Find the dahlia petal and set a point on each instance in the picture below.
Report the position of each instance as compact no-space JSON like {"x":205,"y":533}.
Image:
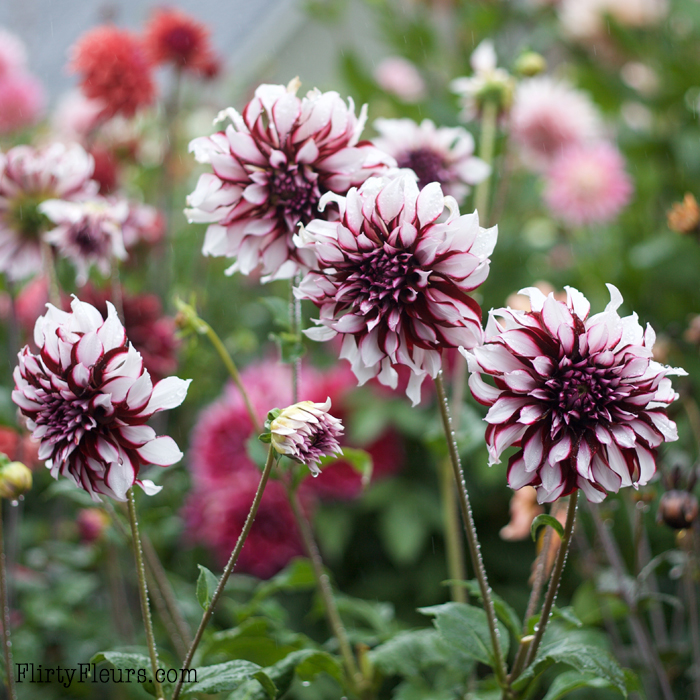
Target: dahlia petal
{"x":518,"y":476}
{"x":111,"y":333}
{"x":140,"y":392}
{"x":624,"y":436}
{"x":551,"y":476}
{"x":537,"y":299}
{"x":495,"y":359}
{"x":430,"y":204}
{"x":87,"y":318}
{"x":149,"y":488}
{"x":647,"y":465}
{"x":560,"y":450}
{"x":664,"y":425}
{"x":531,"y":413}
{"x":163,"y":451}
{"x":566,"y":338}
{"x":413,"y":390}
{"x":618,"y":463}
{"x":350,"y":323}
{"x":604,"y":476}
{"x":593,"y":494}
{"x":543,"y":366}
{"x":555,"y":314}
{"x":308,"y":153}
{"x":652,"y":436}
{"x":137,"y":435}
{"x":504,"y":408}
{"x":89,"y":349}
{"x":522,"y":343}
{"x":244,"y":148}
{"x":320,"y":333}
{"x":520,"y":381}
{"x":533,"y":451}
{"x":120,"y":477}
{"x":106,"y":450}
{"x":503,"y":437}
{"x":583,"y":459}
{"x":167,"y":393}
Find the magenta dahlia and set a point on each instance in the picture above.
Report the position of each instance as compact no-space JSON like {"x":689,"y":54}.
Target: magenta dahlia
{"x":87,"y":398}
{"x":394,"y":276}
{"x":270,"y":168}
{"x":580,"y":395}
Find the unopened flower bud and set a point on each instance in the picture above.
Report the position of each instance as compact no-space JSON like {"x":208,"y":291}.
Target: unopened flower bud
{"x":15,"y":480}
{"x":91,"y":523}
{"x":306,"y":432}
{"x":678,"y":509}
{"x":530,"y":64}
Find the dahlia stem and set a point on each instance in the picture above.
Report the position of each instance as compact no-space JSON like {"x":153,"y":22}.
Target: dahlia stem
{"x":453,"y":541}
{"x":143,"y":594}
{"x":554,"y":581}
{"x":692,"y":604}
{"x":229,"y":567}
{"x":50,"y":270}
{"x":117,"y":296}
{"x":295,"y":325}
{"x":470,"y":529}
{"x":325,"y":590}
{"x":6,"y":638}
{"x":487,"y":142}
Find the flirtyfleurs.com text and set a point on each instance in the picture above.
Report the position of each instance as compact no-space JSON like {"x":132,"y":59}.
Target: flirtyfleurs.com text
{"x":89,"y":673}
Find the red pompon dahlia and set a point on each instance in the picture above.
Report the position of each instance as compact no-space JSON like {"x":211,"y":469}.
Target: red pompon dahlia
{"x":393,"y":278}
{"x":87,"y":398}
{"x":171,"y":36}
{"x":114,"y":69}
{"x":581,"y":396}
{"x":270,"y":167}
{"x":28,"y":177}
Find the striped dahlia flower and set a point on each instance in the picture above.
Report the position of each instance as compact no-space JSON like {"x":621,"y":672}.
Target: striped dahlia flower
{"x":28,"y":177}
{"x":270,"y":168}
{"x":394,"y":276}
{"x":579,"y":395}
{"x":87,"y":398}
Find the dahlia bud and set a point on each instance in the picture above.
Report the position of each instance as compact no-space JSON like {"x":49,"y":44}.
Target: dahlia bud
{"x":15,"y":480}
{"x":305,"y":432}
{"x":530,"y":64}
{"x":678,"y":509}
{"x":91,"y":522}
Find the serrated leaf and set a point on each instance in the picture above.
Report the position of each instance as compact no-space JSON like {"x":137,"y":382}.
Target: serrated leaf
{"x":466,"y":627}
{"x":567,"y":614}
{"x":408,"y":653}
{"x":120,"y":659}
{"x":229,"y":676}
{"x":569,"y":681}
{"x":504,"y":612}
{"x":545,"y":519}
{"x":298,"y":575}
{"x":206,"y":585}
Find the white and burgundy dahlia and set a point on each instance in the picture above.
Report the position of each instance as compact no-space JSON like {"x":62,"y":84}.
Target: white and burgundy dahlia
{"x":87,"y":398}
{"x":307,"y":433}
{"x":88,"y":233}
{"x":579,"y":395}
{"x":270,"y":168}
{"x":394,"y":276}
{"x":28,"y":177}
{"x":435,"y":154}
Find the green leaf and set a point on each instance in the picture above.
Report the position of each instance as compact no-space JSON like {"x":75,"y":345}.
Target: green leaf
{"x":206,"y":585}
{"x":124,"y":660}
{"x":546,"y":519}
{"x":572,"y":680}
{"x":290,"y":345}
{"x":567,"y":614}
{"x":229,"y":676}
{"x":279,"y":310}
{"x":586,"y":659}
{"x":504,"y":612}
{"x":408,"y":653}
{"x":298,"y":575}
{"x":359,"y":460}
{"x":466,"y":628}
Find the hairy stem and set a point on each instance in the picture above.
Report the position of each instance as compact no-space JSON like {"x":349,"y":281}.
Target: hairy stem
{"x":472,"y":539}
{"x":6,"y":638}
{"x":229,"y":567}
{"x":143,"y":594}
{"x":456,"y":568}
{"x":489,"y":117}
{"x":295,"y":325}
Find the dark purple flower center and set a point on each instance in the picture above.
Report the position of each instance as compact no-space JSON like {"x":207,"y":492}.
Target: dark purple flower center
{"x":181,"y":41}
{"x":66,"y":420}
{"x":295,"y":194}
{"x":89,"y":240}
{"x":426,"y":163}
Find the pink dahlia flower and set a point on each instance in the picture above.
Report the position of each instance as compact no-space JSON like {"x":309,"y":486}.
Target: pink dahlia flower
{"x":13,"y":53}
{"x":28,"y":177}
{"x":393,"y":278}
{"x":588,"y":185}
{"x":400,"y":77}
{"x":579,"y":395}
{"x":271,"y":167}
{"x":549,"y":116}
{"x":444,"y":155}
{"x":88,"y":233}
{"x":87,"y":397}
{"x":22,"y":102}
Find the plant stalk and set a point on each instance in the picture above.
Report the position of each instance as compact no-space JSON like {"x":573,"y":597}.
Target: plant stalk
{"x":229,"y":568}
{"x":453,"y":536}
{"x":472,"y":539}
{"x":50,"y":271}
{"x":143,"y":594}
{"x":295,"y":324}
{"x":6,"y":637}
{"x":487,"y":142}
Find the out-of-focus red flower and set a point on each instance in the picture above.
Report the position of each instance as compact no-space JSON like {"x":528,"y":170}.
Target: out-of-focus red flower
{"x":113,"y":68}
{"x":171,"y":36}
{"x":91,"y":523}
{"x":106,"y":171}
{"x":20,"y":448}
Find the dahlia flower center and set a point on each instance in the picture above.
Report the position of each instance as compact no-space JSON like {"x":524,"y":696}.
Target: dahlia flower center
{"x":88,"y":239}
{"x":181,"y":41}
{"x":25,"y":217}
{"x":428,"y":165}
{"x":295,"y":196}
{"x":66,"y":420}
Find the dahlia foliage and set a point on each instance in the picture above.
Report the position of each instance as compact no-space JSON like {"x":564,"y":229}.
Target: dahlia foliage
{"x":393,"y":278}
{"x":579,"y":395}
{"x":87,"y":398}
{"x":270,"y":168}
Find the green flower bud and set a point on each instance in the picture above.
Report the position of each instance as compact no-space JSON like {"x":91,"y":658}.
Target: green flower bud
{"x":15,"y":480}
{"x":530,"y":64}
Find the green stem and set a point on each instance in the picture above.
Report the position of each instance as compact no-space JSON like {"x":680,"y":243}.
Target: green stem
{"x":229,"y":567}
{"x":50,"y":271}
{"x":453,"y":540}
{"x":487,"y":142}
{"x":143,"y":594}
{"x":117,"y":296}
{"x":554,"y":581}
{"x":470,"y":529}
{"x":295,"y":325}
{"x":6,"y":640}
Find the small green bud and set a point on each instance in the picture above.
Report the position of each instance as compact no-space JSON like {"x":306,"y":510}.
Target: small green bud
{"x":530,"y":64}
{"x":15,"y":480}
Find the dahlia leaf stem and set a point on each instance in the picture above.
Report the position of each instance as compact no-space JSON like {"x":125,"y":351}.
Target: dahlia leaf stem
{"x":4,"y":604}
{"x":143,"y":594}
{"x":470,"y":529}
{"x":228,"y":570}
{"x":487,"y":142}
{"x":554,"y":581}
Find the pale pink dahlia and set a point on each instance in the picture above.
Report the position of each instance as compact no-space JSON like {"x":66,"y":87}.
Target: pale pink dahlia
{"x":28,"y":177}
{"x":13,"y":53}
{"x":271,"y":167}
{"x":588,"y":185}
{"x":549,"y":116}
{"x":22,"y":100}
{"x":400,"y":77}
{"x":435,"y":154}
{"x":87,"y":397}
{"x":88,"y":233}
{"x":393,"y":278}
{"x":580,"y":396}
